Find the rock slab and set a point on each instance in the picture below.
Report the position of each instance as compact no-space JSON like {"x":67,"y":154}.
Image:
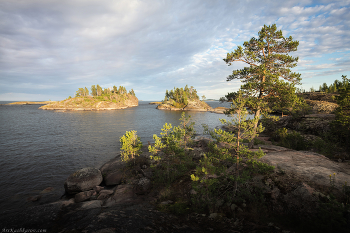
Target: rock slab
{"x":313,"y":166}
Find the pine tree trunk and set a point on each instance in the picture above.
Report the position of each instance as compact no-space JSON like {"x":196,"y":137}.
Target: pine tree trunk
{"x":257,"y":116}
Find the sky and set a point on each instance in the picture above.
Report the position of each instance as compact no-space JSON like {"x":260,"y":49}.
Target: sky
{"x":49,"y":49}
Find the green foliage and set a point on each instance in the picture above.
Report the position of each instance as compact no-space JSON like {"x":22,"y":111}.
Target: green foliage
{"x":169,"y":152}
{"x":174,"y":138}
{"x":324,"y":147}
{"x":93,"y":90}
{"x":98,"y":90}
{"x":131,"y":146}
{"x":269,"y":122}
{"x":258,"y":142}
{"x":287,"y":100}
{"x":338,"y":138}
{"x":100,"y":94}
{"x":212,"y":180}
{"x":178,"y":208}
{"x":81,"y":92}
{"x":280,"y":133}
{"x":179,"y":96}
{"x":330,"y":217}
{"x":294,"y":140}
{"x":343,"y":100}
{"x":132,"y":92}
{"x":336,"y":87}
{"x":229,"y":97}
{"x":269,"y":64}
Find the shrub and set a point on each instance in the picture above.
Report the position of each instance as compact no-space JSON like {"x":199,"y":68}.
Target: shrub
{"x":169,"y":151}
{"x":293,"y":140}
{"x":131,"y":145}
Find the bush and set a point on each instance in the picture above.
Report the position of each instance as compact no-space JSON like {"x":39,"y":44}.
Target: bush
{"x":169,"y":152}
{"x":342,"y":113}
{"x":131,"y":145}
{"x":293,"y":140}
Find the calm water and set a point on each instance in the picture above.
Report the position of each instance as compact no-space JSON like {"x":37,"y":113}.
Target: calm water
{"x":40,"y":149}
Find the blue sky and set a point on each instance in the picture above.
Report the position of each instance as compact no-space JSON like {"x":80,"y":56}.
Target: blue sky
{"x":49,"y":49}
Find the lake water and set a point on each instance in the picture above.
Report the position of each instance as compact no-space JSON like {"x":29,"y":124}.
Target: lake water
{"x":41,"y":148}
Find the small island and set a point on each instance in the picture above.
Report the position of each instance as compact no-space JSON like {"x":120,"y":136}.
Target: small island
{"x":100,"y":99}
{"x":183,"y":99}
{"x":32,"y":102}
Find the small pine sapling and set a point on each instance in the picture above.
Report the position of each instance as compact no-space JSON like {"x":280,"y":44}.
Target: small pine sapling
{"x":244,"y":129}
{"x":131,"y":146}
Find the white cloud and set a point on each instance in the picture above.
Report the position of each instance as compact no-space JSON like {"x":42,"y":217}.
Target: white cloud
{"x":154,"y":44}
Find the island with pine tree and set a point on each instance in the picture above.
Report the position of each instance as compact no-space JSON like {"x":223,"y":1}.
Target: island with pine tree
{"x":180,"y":99}
{"x":98,"y":99}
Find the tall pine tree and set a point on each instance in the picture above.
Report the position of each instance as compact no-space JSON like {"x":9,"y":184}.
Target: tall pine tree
{"x":269,"y":66}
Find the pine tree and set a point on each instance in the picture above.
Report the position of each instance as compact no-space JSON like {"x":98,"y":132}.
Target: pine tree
{"x":98,"y":90}
{"x":343,"y":100}
{"x":115,"y":89}
{"x":131,"y":145}
{"x":93,"y":90}
{"x":268,"y":61}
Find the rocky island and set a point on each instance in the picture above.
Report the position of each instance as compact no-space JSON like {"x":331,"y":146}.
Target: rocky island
{"x":107,"y":99}
{"x":183,"y":99}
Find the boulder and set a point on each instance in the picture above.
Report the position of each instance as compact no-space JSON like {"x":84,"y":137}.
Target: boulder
{"x":114,"y":177}
{"x":82,"y":196}
{"x":107,"y":192}
{"x":98,"y":189}
{"x":83,"y":180}
{"x":109,"y":202}
{"x":91,"y":204}
{"x":104,"y":194}
{"x":112,"y":171}
{"x":124,"y":194}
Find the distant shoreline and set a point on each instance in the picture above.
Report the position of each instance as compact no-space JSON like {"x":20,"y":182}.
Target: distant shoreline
{"x":31,"y":102}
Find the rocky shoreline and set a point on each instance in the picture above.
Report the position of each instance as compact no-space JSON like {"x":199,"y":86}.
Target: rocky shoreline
{"x":92,"y":104}
{"x":195,"y":106}
{"x":32,"y":102}
{"x":120,"y":198}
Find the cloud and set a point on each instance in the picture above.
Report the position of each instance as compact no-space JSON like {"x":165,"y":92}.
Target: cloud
{"x":58,"y":46}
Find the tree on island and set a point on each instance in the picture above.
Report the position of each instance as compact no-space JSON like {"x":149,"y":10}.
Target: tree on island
{"x":264,"y":80}
{"x":179,"y":97}
{"x":81,"y":92}
{"x":93,"y":90}
{"x":97,"y":91}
